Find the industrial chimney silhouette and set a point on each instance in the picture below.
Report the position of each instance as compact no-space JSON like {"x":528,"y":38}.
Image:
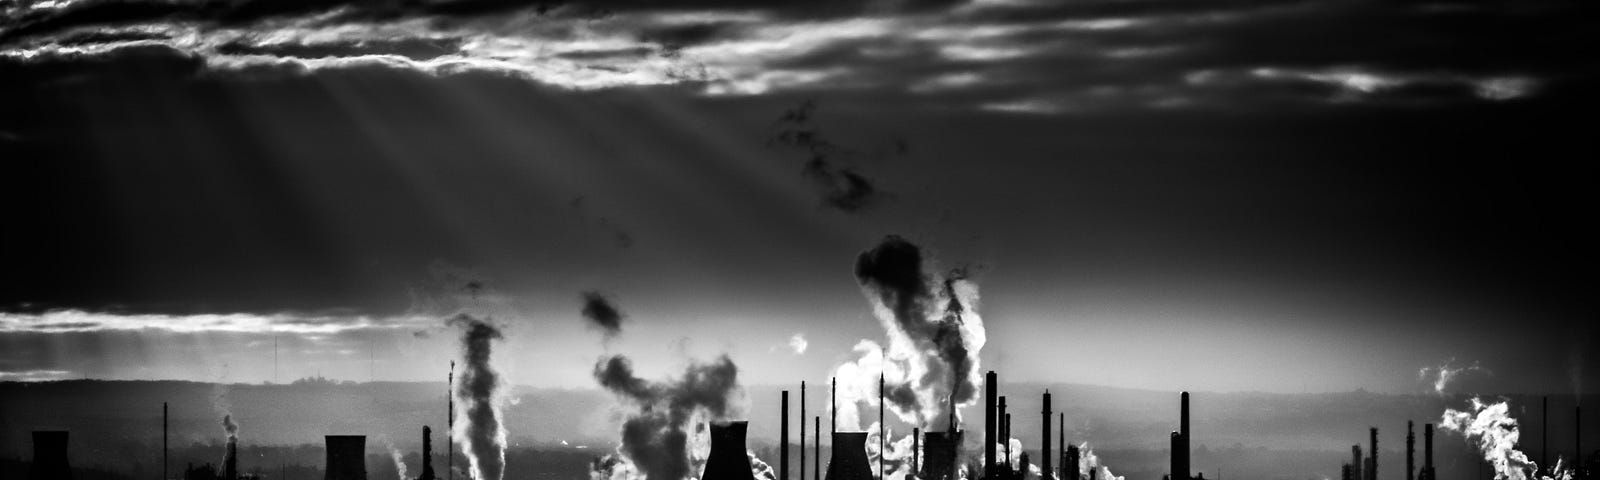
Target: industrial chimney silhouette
{"x":1356,"y":461}
{"x":849,"y":460}
{"x":427,"y":454}
{"x":728,"y":459}
{"x":1371,"y":472}
{"x":230,"y":462}
{"x":990,"y":422}
{"x":347,"y":457}
{"x":1180,"y":441}
{"x":1044,"y":463}
{"x":50,"y":456}
{"x":1069,"y":467}
{"x":1411,"y":451}
{"x":1427,"y":453}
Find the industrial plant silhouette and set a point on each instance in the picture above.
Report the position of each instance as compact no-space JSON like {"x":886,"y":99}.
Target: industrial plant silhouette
{"x":853,"y":455}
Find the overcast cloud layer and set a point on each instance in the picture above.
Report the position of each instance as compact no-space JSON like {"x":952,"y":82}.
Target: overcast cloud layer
{"x":1011,"y":55}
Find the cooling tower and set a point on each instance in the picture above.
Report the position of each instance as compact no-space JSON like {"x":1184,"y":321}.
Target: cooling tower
{"x":940,"y":450}
{"x":728,"y":459}
{"x":347,"y":457}
{"x":50,"y":456}
{"x":849,"y":461}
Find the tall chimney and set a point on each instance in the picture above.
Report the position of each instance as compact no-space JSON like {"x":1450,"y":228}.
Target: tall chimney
{"x":164,"y":475}
{"x":1411,"y":451}
{"x":1044,"y":449}
{"x":816,"y":448}
{"x":1183,"y":428}
{"x":849,"y":457}
{"x":450,"y":426}
{"x":1544,"y":435}
{"x":916,"y":448}
{"x":347,"y":457}
{"x":989,"y":423}
{"x":883,"y":428}
{"x":1007,"y":436}
{"x":1372,"y":454}
{"x":1577,"y":443}
{"x":1070,"y":465}
{"x":1356,"y":461}
{"x":1061,"y":434}
{"x":728,"y":459}
{"x":427,"y":454}
{"x":1427,"y":452}
{"x":1177,"y":456}
{"x":50,"y":456}
{"x":230,"y":463}
{"x":803,"y":430}
{"x":783,"y":442}
{"x":833,"y":412}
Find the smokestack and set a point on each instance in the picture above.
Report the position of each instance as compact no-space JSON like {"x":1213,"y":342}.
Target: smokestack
{"x":816,"y":448}
{"x":347,"y":457}
{"x":883,"y":427}
{"x":1007,"y":437}
{"x":50,"y":456}
{"x":1044,"y":450}
{"x":1427,"y":452}
{"x":427,"y":454}
{"x":1061,"y":447}
{"x":803,"y":429}
{"x":164,"y":475}
{"x":783,"y":442}
{"x":728,"y":459}
{"x":849,"y":460}
{"x":1177,"y":457}
{"x":450,"y":425}
{"x":916,"y":448}
{"x":1356,"y":461}
{"x":1577,"y":443}
{"x":1183,"y":429}
{"x":1544,"y":434}
{"x":1372,"y":454}
{"x":833,"y":413}
{"x":989,"y":423}
{"x":1070,"y":465}
{"x":1411,"y":451}
{"x":230,"y":464}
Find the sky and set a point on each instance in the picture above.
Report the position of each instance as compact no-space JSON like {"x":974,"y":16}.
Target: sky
{"x":1281,"y":196}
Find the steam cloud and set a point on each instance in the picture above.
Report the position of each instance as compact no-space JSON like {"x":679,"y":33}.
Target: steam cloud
{"x":798,"y":344}
{"x":1442,"y":375}
{"x":1490,"y":428}
{"x":934,"y":337}
{"x":602,"y":314}
{"x":1088,"y":460}
{"x":478,"y":426}
{"x":657,"y":440}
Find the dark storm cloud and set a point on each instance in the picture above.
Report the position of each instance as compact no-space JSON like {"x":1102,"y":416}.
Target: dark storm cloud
{"x":602,"y":314}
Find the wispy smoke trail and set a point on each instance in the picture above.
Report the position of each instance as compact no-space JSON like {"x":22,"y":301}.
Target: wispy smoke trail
{"x":1442,"y":375}
{"x":602,"y":314}
{"x":478,"y":426}
{"x":1490,"y":428}
{"x":657,"y":440}
{"x":399,"y":462}
{"x":934,"y":337}
{"x":760,"y":469}
{"x":896,"y":455}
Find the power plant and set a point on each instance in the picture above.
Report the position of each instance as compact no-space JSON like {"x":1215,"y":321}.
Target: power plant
{"x":728,"y":460}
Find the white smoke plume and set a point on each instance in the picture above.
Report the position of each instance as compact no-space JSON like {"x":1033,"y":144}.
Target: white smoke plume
{"x":798,"y":344}
{"x":1491,"y":428}
{"x":478,"y":426}
{"x":760,"y":469}
{"x":399,"y":463}
{"x":1441,"y":376}
{"x":896,"y":453}
{"x":1088,"y":460}
{"x":934,"y":335}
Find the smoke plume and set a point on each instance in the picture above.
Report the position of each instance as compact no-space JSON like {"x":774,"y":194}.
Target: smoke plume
{"x":229,"y":427}
{"x":1491,"y":428}
{"x":1443,"y":375}
{"x":602,"y":314}
{"x":478,"y":427}
{"x":1089,"y":461}
{"x":934,"y":337}
{"x":664,"y":434}
{"x":897,"y":453}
